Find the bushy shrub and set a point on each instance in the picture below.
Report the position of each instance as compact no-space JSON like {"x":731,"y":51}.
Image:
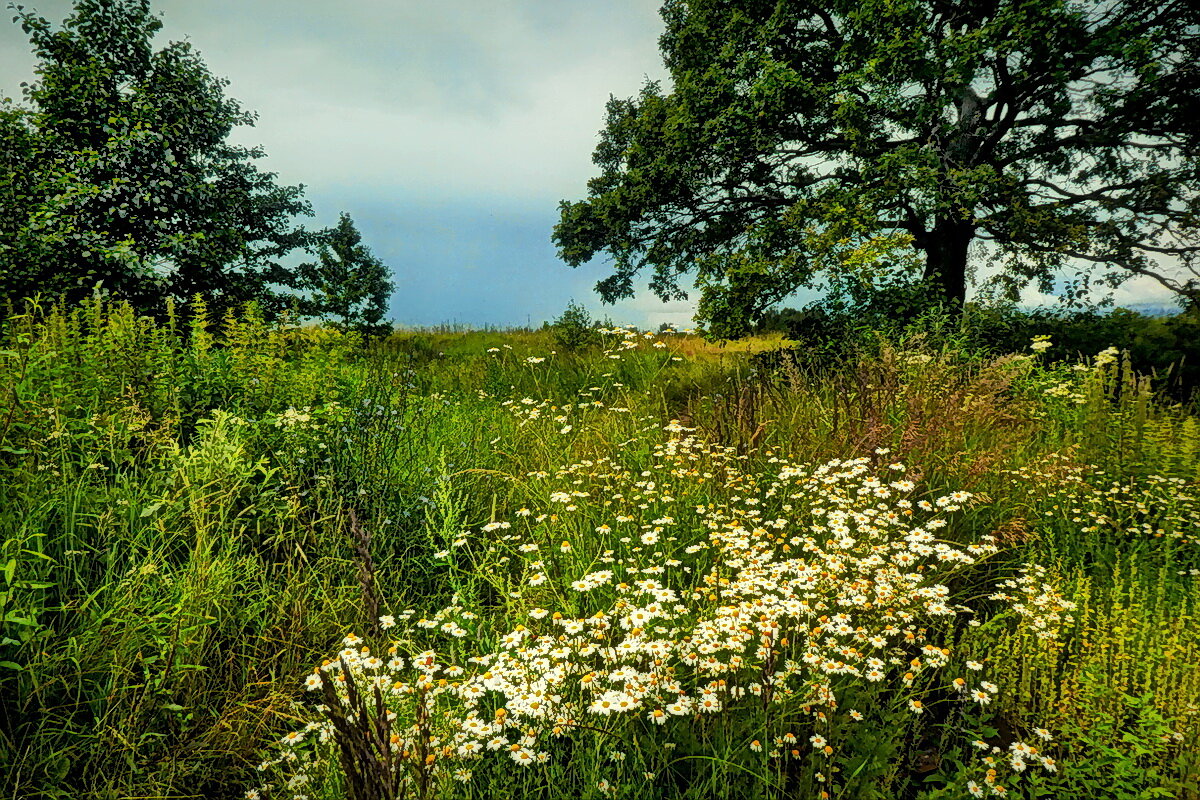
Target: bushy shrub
{"x":574,"y":329}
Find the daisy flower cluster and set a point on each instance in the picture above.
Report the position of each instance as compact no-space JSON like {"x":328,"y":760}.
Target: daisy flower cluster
{"x":630,"y":338}
{"x":1037,"y":601}
{"x":711,"y":590}
{"x":1151,"y":506}
{"x":567,"y":416}
{"x":1018,"y":758}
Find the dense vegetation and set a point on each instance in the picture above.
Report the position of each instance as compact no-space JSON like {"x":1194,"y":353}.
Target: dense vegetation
{"x":899,"y":554}
{"x":197,"y":512}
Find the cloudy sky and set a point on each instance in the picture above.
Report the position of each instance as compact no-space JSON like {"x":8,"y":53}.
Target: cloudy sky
{"x":449,"y":130}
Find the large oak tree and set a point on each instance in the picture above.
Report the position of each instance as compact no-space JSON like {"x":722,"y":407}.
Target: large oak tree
{"x":833,"y":142}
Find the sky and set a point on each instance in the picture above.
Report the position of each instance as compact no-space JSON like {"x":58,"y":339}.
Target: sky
{"x":448,"y":129}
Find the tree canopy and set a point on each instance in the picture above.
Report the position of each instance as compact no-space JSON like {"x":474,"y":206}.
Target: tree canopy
{"x":347,"y":284}
{"x":119,"y":170}
{"x":856,"y":142}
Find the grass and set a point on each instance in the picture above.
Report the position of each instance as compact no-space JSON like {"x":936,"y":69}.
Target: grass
{"x":194,"y":513}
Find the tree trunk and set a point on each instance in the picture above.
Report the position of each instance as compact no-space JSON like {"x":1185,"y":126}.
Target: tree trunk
{"x":946,"y":259}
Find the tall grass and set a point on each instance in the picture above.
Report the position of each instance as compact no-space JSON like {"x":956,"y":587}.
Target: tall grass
{"x":195,"y":512}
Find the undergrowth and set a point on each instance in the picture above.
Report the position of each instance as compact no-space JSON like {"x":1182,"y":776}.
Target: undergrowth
{"x":196,"y":512}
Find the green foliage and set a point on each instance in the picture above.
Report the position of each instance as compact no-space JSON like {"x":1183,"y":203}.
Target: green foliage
{"x":574,"y":329}
{"x":119,"y":172}
{"x":849,"y":144}
{"x":1165,"y":347}
{"x":347,"y":286}
{"x":1123,"y":756}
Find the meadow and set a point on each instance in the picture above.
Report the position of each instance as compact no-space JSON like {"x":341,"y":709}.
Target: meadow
{"x":251,"y":558}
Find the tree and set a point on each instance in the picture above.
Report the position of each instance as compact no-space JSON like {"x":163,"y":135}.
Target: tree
{"x":847,"y":142}
{"x":347,"y":285}
{"x":574,"y":329}
{"x":119,"y":171}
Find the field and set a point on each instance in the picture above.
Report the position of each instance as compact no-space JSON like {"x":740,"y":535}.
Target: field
{"x":248,"y":558}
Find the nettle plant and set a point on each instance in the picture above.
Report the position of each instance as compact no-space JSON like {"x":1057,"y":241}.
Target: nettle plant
{"x":749,"y":626}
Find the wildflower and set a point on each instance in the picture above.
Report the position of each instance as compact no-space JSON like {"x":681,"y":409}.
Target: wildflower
{"x":810,"y":596}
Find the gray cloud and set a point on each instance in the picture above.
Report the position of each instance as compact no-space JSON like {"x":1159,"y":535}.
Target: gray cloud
{"x":437,"y":98}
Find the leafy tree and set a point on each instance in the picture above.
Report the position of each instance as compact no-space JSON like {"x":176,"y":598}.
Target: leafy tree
{"x":574,"y":329}
{"x":859,"y":142}
{"x":119,"y":171}
{"x":347,"y":284}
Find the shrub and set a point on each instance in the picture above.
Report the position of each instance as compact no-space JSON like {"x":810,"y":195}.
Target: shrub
{"x":574,"y":329}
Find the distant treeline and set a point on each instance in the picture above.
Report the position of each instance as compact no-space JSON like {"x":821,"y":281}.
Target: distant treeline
{"x":1164,"y":345}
